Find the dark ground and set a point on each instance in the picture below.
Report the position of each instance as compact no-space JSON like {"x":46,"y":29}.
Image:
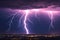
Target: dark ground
{"x":28,"y":37}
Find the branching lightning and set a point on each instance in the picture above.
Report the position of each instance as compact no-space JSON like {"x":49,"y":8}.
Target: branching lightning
{"x":26,"y":13}
{"x":51,"y":16}
{"x":11,"y":21}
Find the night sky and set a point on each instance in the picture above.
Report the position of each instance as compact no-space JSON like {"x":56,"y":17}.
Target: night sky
{"x":36,"y":25}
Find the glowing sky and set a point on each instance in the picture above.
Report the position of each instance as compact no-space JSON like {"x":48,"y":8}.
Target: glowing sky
{"x":28,"y":21}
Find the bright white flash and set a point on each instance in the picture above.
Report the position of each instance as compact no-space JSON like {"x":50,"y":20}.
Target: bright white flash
{"x":25,"y":19}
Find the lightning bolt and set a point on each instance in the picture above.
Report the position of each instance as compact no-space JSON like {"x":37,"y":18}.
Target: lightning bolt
{"x":25,"y":19}
{"x":11,"y":22}
{"x":51,"y":14}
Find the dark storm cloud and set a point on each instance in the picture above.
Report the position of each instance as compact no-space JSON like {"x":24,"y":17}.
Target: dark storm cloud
{"x":25,"y":4}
